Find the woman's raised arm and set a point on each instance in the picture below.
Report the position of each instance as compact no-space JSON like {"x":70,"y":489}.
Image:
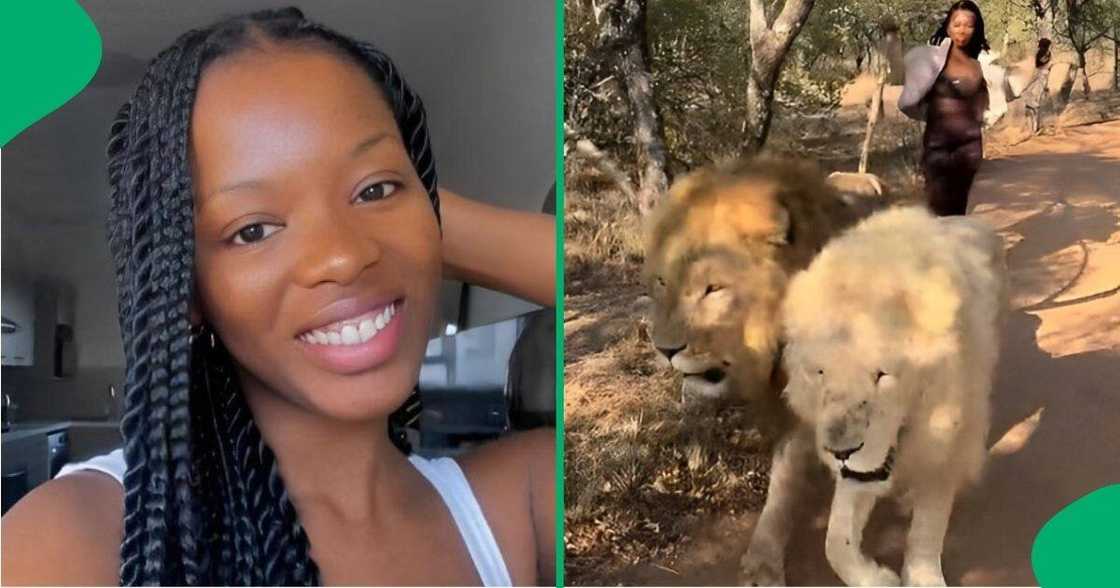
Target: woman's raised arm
{"x":507,"y":250}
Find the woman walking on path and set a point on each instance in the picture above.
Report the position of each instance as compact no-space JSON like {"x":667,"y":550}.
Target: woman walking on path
{"x":945,"y":88}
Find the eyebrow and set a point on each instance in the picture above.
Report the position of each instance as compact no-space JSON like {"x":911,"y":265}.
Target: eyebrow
{"x":257,"y":184}
{"x":370,"y":142}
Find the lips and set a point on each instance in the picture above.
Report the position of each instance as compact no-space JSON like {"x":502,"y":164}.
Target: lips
{"x":351,"y":331}
{"x":352,"y":336}
{"x":710,"y":375}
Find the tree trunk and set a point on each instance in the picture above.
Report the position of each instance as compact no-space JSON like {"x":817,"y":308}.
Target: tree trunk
{"x":872,"y":120}
{"x":1083,"y":72}
{"x":770,"y":42}
{"x":1116,"y":57}
{"x":1045,"y":10}
{"x":623,"y":36}
{"x":888,"y":53}
{"x":1046,"y":26}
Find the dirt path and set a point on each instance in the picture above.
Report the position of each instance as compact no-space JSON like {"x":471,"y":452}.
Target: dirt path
{"x":1057,"y":401}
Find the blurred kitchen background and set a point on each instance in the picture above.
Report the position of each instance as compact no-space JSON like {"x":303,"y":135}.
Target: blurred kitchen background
{"x":487,"y":74}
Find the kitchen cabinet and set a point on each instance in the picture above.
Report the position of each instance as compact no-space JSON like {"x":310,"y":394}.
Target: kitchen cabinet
{"x":24,"y":465}
{"x":31,"y":450}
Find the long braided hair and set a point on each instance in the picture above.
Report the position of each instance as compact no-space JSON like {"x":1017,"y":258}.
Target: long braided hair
{"x":204,"y":500}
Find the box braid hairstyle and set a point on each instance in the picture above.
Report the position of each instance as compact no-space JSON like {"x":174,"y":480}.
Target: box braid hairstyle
{"x":204,"y":500}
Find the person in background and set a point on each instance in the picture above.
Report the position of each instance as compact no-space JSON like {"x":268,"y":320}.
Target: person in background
{"x":946,"y":89}
{"x":1035,"y":92}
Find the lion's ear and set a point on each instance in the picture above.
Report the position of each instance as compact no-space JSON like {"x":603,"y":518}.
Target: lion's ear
{"x":780,"y":234}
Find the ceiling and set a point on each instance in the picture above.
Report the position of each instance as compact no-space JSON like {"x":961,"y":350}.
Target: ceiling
{"x":486,"y":72}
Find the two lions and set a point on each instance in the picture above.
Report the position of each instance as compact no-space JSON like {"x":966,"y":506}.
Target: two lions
{"x":721,"y":253}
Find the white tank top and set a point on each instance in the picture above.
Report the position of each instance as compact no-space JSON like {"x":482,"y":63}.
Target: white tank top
{"x":443,"y":473}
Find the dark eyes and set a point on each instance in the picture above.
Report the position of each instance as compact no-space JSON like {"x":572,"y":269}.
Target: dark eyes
{"x":377,"y":191}
{"x":878,"y":375}
{"x":712,"y":288}
{"x":260,"y":231}
{"x":254,"y":232}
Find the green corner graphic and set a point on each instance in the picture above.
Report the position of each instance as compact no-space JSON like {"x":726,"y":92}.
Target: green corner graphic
{"x":1080,"y":546}
{"x":49,"y":51}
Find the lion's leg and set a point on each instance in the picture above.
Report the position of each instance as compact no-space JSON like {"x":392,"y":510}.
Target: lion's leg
{"x":764,"y":562}
{"x":851,"y":507}
{"x":932,"y":508}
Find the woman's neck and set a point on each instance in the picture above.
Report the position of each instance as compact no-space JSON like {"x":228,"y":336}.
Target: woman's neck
{"x":345,"y":466}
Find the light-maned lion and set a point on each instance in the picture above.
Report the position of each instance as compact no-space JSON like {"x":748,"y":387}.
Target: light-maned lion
{"x":891,"y":343}
{"x":719,"y":251}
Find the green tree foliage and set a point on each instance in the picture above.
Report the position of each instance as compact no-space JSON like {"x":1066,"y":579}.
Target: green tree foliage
{"x":700,"y":62}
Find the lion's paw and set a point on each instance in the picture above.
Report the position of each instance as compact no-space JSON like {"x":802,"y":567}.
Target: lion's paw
{"x":919,"y":575}
{"x":755,"y":570}
{"x":875,"y":575}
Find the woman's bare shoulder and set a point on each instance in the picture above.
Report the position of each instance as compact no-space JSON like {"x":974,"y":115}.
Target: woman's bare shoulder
{"x":65,"y":532}
{"x":514,"y":479}
{"x":529,"y":452}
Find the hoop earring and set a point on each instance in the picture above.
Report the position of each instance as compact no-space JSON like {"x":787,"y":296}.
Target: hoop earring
{"x":201,"y":330}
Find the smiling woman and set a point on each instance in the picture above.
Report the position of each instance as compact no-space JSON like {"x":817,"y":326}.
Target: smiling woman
{"x":276,"y":230}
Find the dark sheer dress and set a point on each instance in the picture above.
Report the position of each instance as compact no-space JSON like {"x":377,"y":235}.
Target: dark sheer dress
{"x":952,"y":147}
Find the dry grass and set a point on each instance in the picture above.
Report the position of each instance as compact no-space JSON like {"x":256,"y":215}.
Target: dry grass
{"x":641,"y":469}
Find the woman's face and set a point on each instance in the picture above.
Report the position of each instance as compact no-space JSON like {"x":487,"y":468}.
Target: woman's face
{"x":317,"y":250}
{"x":962,"y":25}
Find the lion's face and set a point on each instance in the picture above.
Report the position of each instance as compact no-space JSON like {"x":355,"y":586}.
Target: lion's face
{"x":856,"y":404}
{"x":714,"y":318}
{"x":719,"y":252}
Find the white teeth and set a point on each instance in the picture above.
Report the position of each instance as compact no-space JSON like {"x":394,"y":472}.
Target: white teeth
{"x":352,"y":333}
{"x":366,"y":330}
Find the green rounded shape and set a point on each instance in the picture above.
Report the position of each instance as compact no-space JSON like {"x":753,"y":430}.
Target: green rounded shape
{"x":49,"y":51}
{"x":1080,"y":546}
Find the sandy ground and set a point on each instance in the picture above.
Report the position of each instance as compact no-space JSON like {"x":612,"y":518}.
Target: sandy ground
{"x":1056,"y":199}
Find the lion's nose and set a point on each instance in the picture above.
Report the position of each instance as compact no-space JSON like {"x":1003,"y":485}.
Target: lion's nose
{"x":669,"y":352}
{"x":844,"y":454}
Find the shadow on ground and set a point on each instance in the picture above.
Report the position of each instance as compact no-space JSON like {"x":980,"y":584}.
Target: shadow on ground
{"x":1056,"y":403}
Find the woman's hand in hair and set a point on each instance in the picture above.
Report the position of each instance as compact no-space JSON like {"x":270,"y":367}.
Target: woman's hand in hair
{"x":502,"y":249}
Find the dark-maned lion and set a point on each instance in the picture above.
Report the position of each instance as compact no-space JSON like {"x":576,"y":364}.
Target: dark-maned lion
{"x":720,"y":251}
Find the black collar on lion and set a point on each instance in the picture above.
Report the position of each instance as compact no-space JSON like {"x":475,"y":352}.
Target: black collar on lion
{"x":878,"y":475}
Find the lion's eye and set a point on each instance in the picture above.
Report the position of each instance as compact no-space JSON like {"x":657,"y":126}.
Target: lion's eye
{"x":820,"y":372}
{"x":712,"y":288}
{"x":879,"y":376}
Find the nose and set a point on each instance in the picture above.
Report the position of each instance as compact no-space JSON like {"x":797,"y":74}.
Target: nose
{"x":669,"y":352}
{"x":843,"y":454}
{"x":335,"y":251}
